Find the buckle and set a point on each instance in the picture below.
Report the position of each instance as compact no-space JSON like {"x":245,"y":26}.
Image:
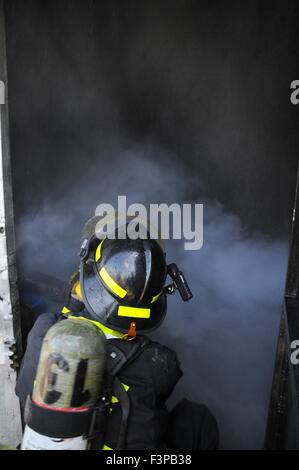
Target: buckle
{"x":97,"y":418}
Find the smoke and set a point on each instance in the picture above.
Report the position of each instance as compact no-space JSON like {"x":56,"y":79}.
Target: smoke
{"x":225,"y":337}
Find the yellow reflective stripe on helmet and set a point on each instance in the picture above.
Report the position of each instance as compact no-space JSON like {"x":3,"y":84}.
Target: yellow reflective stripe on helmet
{"x":134,"y":312}
{"x":65,"y":310}
{"x":106,"y":447}
{"x":156,"y":297}
{"x":104,"y":329}
{"x":116,"y":289}
{"x":98,"y":252}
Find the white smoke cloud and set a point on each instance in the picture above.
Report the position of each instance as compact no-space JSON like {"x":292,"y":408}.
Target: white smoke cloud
{"x":225,"y":337}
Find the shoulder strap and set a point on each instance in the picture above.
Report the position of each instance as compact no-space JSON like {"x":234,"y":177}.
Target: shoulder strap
{"x":123,"y":398}
{"x":120,"y":354}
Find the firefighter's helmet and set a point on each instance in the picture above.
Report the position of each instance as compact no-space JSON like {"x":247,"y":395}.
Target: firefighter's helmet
{"x":122,"y":279}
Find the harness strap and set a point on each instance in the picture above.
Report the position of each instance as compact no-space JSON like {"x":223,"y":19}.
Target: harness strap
{"x":121,"y":394}
{"x":61,"y":423}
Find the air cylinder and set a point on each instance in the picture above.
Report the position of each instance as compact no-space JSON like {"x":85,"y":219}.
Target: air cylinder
{"x":69,"y":378}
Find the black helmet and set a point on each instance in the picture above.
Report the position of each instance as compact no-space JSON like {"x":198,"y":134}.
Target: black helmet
{"x":122,"y":281}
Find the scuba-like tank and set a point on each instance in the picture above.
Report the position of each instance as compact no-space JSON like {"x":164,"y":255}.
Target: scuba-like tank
{"x":67,"y":387}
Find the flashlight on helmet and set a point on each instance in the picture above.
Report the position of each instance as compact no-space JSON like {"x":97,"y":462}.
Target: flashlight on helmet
{"x":179,"y":282}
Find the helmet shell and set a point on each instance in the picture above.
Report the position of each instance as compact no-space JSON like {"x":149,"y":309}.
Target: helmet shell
{"x":123,"y":281}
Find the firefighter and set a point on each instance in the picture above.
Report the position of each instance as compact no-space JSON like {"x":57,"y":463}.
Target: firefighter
{"x":120,"y":288}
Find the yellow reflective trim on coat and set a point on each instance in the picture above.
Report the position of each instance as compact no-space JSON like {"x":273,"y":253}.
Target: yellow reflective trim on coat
{"x":98,"y":251}
{"x":104,"y":329}
{"x":65,"y":310}
{"x":156,"y":297}
{"x":133,"y":312}
{"x":77,"y":288}
{"x":106,"y":447}
{"x":116,"y":289}
{"x":115,"y":399}
{"x":126,"y":387}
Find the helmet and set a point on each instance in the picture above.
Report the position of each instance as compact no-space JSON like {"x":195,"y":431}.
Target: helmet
{"x":122,"y":279}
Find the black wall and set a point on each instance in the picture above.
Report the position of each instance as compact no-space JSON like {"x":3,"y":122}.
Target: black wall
{"x":207,"y":81}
